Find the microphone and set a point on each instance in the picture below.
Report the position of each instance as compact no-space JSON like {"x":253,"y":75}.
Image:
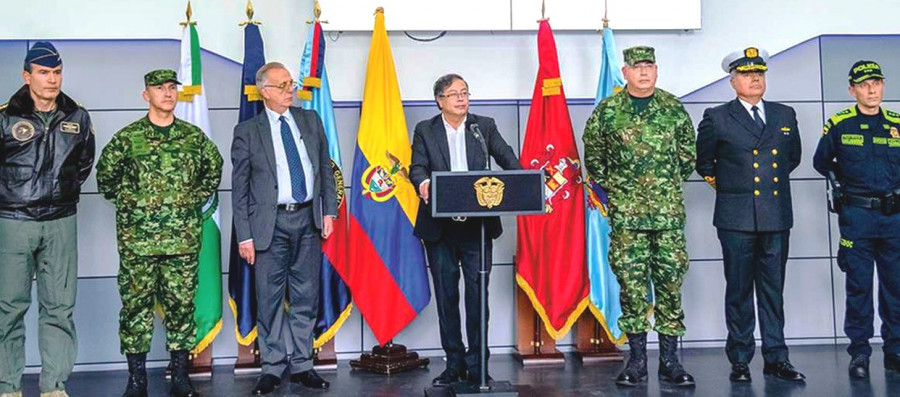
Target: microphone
{"x":476,"y":131}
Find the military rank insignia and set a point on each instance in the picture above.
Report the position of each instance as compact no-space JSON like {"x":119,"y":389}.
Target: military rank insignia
{"x":786,"y":130}
{"x":69,"y":127}
{"x":23,"y":131}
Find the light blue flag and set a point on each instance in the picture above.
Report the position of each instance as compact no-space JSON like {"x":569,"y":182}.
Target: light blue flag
{"x":334,"y":296}
{"x":604,"y":294}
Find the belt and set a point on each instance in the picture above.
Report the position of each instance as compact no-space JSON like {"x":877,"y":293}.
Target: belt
{"x":862,"y":201}
{"x":292,"y":207}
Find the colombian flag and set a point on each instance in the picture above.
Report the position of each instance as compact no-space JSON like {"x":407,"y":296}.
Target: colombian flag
{"x":386,"y":269}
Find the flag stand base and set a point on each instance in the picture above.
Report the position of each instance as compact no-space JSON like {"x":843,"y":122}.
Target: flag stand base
{"x":534,"y":345}
{"x":389,"y":359}
{"x":592,"y":344}
{"x":247,"y":362}
{"x":496,"y":389}
{"x":324,"y":358}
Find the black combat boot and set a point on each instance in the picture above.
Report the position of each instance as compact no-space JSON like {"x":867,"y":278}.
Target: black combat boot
{"x":137,"y":375}
{"x":635,"y":372}
{"x":181,"y":381}
{"x":670,"y":370}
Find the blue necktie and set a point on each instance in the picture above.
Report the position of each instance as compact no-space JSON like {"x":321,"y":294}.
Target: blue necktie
{"x":757,"y":119}
{"x":298,"y":179}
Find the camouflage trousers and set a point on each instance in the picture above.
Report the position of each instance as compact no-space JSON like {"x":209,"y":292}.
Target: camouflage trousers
{"x":639,"y":257}
{"x":145,"y":281}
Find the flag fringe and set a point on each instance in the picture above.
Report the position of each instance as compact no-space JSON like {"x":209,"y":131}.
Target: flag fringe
{"x":242,"y":340}
{"x":554,"y":333}
{"x":333,"y":329}
{"x":602,"y":319}
{"x":208,"y":339}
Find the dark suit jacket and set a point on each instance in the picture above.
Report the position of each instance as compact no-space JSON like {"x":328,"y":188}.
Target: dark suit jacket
{"x":431,"y":152}
{"x":751,"y":167}
{"x":254,"y":180}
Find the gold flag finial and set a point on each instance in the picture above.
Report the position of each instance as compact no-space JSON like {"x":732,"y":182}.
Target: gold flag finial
{"x":543,"y":12}
{"x":317,"y":13}
{"x":188,"y":13}
{"x":249,"y":11}
{"x":379,"y":10}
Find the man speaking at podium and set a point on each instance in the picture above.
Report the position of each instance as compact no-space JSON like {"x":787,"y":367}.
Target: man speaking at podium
{"x":451,"y":141}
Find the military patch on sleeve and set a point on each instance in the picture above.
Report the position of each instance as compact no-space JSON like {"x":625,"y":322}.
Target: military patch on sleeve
{"x":70,"y":127}
{"x":852,"y":139}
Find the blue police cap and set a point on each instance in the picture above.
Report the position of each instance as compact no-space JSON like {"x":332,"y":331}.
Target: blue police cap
{"x":43,"y":53}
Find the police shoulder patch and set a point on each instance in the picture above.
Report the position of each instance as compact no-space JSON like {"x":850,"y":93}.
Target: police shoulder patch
{"x":838,"y":117}
{"x":892,"y":116}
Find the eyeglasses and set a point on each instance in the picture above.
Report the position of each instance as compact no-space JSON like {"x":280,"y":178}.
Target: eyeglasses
{"x":285,"y":86}
{"x":456,"y":95}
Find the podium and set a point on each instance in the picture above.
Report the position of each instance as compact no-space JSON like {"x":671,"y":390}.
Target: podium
{"x":482,"y":194}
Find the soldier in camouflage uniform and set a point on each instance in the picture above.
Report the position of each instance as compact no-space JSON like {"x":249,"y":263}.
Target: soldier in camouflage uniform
{"x":639,"y":146}
{"x":159,"y":172}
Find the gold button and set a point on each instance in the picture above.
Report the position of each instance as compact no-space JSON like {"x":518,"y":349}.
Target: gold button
{"x":756,"y":179}
{"x":756,"y":192}
{"x":774,"y":152}
{"x":755,"y":165}
{"x":755,"y":152}
{"x":775,"y":192}
{"x":774,"y":165}
{"x":775,"y":179}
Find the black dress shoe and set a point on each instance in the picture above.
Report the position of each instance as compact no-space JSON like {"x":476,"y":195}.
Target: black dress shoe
{"x":892,"y":361}
{"x":266,"y":384}
{"x":740,"y":372}
{"x":446,"y":378}
{"x":859,"y":367}
{"x":310,"y":379}
{"x":783,"y":370}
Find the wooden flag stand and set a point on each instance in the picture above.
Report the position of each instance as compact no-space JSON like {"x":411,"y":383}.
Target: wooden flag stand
{"x":247,"y":362}
{"x":592,"y":343}
{"x":389,"y":359}
{"x":324,"y":358}
{"x":535,"y":346}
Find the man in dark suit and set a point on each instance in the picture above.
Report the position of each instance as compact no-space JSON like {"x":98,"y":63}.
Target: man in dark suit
{"x":746,"y":150}
{"x":448,"y":142}
{"x":284,"y":204}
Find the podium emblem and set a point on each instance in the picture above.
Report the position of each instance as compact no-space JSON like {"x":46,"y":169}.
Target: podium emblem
{"x":489,"y":191}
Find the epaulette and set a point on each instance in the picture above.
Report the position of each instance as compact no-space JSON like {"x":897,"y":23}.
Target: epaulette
{"x":839,"y":117}
{"x":891,"y":116}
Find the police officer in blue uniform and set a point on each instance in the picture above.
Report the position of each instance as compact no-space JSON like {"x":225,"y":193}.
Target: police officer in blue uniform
{"x":746,"y":149}
{"x":859,"y":152}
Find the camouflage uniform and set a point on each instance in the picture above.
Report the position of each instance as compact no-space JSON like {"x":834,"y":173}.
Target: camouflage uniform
{"x":642,"y":160}
{"x":159,"y":181}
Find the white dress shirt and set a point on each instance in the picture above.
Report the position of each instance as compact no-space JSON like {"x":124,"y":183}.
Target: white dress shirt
{"x":760,"y":105}
{"x":456,"y":141}
{"x":283,"y":173}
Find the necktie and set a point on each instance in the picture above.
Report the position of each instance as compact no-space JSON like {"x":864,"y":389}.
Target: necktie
{"x":298,"y":179}
{"x":757,"y":119}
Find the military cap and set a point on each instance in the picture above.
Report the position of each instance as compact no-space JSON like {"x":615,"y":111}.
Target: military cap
{"x":43,"y":53}
{"x":637,"y":54}
{"x":750,"y":59}
{"x":864,"y":70}
{"x":160,"y":76}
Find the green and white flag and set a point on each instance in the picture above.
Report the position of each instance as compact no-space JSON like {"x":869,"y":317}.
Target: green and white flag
{"x":192,"y":108}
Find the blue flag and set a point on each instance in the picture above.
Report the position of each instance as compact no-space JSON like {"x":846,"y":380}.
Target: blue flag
{"x":334,"y":296}
{"x":605,"y":289}
{"x":241,"y":283}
